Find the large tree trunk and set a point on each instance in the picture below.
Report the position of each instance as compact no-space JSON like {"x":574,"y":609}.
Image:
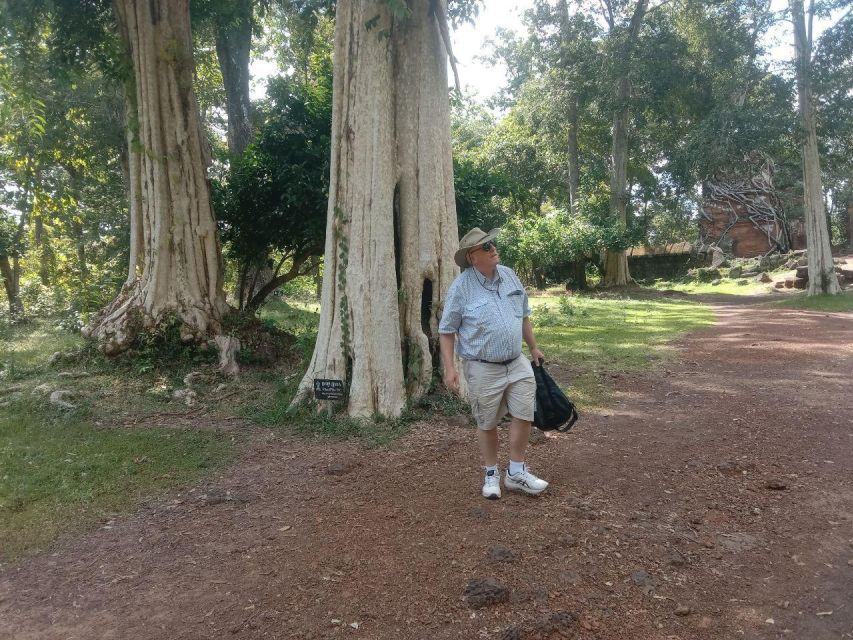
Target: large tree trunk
{"x":392,"y":217}
{"x":233,"y":48}
{"x":616,"y":262}
{"x":579,"y":267}
{"x":426,"y":220}
{"x":181,"y":261}
{"x":133,"y":175}
{"x":822,"y":278}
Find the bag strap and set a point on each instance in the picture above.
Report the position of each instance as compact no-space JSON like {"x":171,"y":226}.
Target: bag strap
{"x":572,"y":419}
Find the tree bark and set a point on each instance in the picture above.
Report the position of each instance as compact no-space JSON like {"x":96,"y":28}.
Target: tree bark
{"x":25,"y":206}
{"x":392,"y":225}
{"x":822,"y":278}
{"x":233,"y":48}
{"x":616,"y":262}
{"x":849,"y":224}
{"x":572,"y":111}
{"x":10,"y":285}
{"x":580,"y":274}
{"x":134,"y":184}
{"x":77,"y":230}
{"x":616,"y":271}
{"x":318,"y":276}
{"x":42,"y":246}
{"x":181,"y":258}
{"x":572,"y":148}
{"x":80,"y":246}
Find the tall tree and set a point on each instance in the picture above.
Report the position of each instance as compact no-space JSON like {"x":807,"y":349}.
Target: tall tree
{"x":822,"y":278}
{"x":231,"y":23}
{"x":624,"y":35}
{"x":391,"y":230}
{"x":182,"y":272}
{"x":833,"y":68}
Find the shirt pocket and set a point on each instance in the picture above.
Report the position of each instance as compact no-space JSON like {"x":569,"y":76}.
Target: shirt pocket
{"x":478,"y":313}
{"x":516,"y":301}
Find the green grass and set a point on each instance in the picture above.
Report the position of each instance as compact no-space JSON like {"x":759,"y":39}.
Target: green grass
{"x":597,"y":336}
{"x":839,"y":303}
{"x":298,"y":319}
{"x":66,"y":471}
{"x":59,"y":473}
{"x":25,"y":348}
{"x":293,"y":317}
{"x":727,"y":286}
{"x":273,"y":410}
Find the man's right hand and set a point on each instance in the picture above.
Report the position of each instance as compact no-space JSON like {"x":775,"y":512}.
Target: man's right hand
{"x":451,"y":380}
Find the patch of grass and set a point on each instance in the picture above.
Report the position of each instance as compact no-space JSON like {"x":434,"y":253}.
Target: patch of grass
{"x":600,"y":335}
{"x":273,"y":410}
{"x":25,"y":348}
{"x":298,"y":319}
{"x":727,"y":286}
{"x":293,"y":317}
{"x":60,"y":474}
{"x":839,"y":303}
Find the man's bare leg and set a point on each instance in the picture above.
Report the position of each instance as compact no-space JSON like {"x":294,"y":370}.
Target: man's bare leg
{"x":488,"y":446}
{"x":519,"y":434}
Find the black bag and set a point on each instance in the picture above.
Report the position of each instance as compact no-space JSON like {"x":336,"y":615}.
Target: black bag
{"x":554,"y":411}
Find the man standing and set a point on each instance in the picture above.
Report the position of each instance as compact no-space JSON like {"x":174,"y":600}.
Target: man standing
{"x":487,"y":310}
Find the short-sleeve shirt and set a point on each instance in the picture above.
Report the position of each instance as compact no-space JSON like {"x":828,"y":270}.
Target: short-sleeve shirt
{"x":486,"y":314}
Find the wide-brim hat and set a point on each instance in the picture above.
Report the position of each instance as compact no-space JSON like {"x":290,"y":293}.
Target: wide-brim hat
{"x":473,"y":238}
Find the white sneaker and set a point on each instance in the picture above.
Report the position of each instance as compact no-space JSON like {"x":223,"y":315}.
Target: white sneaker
{"x":492,"y":487}
{"x":525,"y":481}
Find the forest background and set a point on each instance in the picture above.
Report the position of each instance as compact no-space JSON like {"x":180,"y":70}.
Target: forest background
{"x":705,"y":100}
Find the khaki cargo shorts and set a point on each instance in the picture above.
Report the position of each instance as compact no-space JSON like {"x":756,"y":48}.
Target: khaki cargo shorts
{"x":494,"y":389}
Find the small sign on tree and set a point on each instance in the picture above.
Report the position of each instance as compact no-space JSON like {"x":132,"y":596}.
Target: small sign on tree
{"x":328,"y":389}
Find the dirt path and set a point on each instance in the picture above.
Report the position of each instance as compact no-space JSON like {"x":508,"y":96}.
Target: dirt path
{"x":662,"y":505}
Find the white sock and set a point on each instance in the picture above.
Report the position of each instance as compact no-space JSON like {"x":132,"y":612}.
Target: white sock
{"x":515,"y":467}
{"x":492,"y":471}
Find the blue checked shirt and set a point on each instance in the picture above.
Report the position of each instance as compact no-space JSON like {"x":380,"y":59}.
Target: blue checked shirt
{"x":486,"y":315}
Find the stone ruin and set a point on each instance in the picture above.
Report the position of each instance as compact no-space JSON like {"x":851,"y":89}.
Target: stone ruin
{"x":744,"y":218}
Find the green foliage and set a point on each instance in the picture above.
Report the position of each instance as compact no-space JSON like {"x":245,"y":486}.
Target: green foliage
{"x":543,"y":248}
{"x":833,"y":68}
{"x":480,"y":194}
{"x":61,"y":139}
{"x":162,"y":348}
{"x":702,"y":97}
{"x":273,"y":199}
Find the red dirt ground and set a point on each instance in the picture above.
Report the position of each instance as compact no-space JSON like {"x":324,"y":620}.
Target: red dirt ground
{"x":305,"y":540}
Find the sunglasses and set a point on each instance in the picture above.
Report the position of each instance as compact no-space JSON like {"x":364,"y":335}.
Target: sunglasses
{"x":487,"y":246}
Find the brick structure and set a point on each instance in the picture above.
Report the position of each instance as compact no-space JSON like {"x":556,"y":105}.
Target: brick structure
{"x":744,"y":217}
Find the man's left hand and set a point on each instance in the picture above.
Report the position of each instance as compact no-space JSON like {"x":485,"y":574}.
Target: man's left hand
{"x":537,"y":356}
